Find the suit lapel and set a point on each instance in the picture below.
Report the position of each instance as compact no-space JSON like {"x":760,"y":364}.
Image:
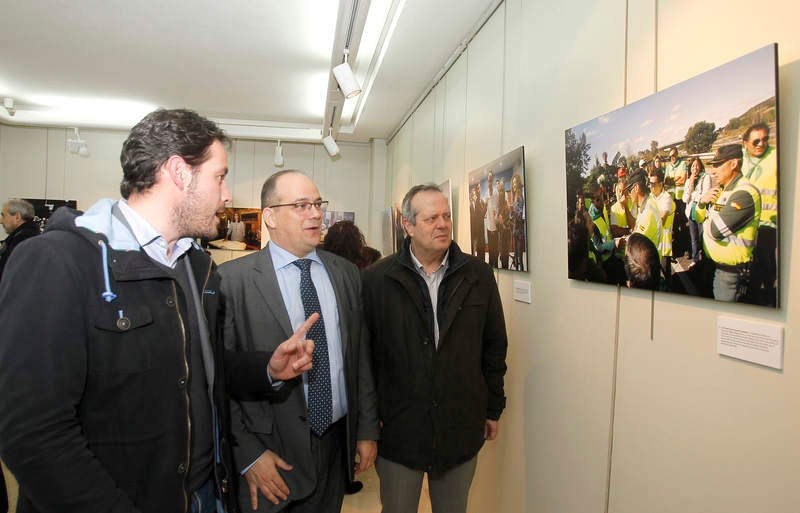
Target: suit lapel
{"x":267,"y":286}
{"x":339,"y":289}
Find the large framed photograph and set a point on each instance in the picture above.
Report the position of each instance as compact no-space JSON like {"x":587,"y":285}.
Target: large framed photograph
{"x":678,"y":192}
{"x":497,"y":212}
{"x":239,"y":229}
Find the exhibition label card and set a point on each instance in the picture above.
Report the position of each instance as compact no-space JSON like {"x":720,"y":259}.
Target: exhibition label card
{"x":755,"y":342}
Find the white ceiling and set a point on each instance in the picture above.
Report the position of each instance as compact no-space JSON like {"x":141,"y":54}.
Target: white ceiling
{"x":260,"y":67}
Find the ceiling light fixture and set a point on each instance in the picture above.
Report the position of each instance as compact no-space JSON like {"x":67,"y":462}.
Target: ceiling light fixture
{"x":78,"y":145}
{"x":330,"y":145}
{"x":346,"y":79}
{"x":278,"y":160}
{"x":8,"y":103}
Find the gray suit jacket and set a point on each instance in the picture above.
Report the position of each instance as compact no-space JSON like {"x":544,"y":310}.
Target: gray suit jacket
{"x":256,"y":319}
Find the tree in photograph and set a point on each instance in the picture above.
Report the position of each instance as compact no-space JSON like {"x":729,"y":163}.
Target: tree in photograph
{"x":577,"y":155}
{"x":700,"y":137}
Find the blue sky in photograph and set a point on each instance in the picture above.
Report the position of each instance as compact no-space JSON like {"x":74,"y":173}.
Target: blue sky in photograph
{"x":717,"y":96}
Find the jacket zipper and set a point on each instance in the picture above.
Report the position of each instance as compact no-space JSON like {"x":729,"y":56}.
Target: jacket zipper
{"x":214,"y":417}
{"x":186,"y":396}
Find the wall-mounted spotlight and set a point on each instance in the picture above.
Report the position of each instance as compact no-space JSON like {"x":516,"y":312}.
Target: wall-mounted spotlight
{"x":78,"y":145}
{"x":347,"y":80}
{"x":8,"y":103}
{"x":278,"y":160}
{"x":330,"y":145}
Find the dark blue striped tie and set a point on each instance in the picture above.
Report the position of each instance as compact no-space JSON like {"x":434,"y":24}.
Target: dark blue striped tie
{"x":320,"y":409}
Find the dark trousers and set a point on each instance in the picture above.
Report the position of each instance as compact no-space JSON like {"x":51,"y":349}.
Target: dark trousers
{"x":479,"y":246}
{"x":764,"y":269}
{"x":696,"y":234}
{"x":329,"y":460}
{"x":494,"y":241}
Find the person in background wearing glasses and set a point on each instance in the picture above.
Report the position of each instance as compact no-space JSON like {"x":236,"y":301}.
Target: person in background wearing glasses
{"x":760,"y":167}
{"x":730,"y":218}
{"x":297,"y":454}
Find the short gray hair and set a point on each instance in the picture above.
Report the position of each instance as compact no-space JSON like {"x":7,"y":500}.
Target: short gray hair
{"x":19,"y":206}
{"x":409,"y":214}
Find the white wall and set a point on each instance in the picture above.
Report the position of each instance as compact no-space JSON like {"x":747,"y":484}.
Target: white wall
{"x":672,"y":427}
{"x":34,"y":163}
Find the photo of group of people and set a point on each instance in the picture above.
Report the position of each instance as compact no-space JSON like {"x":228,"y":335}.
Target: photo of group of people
{"x":689,"y":200}
{"x":497,"y":214}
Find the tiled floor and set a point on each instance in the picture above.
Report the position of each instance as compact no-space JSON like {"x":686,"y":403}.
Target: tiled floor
{"x":368,"y":499}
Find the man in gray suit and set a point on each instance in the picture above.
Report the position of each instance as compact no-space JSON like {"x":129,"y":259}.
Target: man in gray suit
{"x":298,"y":451}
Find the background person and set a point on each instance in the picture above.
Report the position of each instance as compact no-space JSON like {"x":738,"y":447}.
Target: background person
{"x":760,"y":167}
{"x":730,"y":214}
{"x":236,"y":229}
{"x":642,"y":265}
{"x":698,"y":183}
{"x":17,"y":218}
{"x":346,"y":240}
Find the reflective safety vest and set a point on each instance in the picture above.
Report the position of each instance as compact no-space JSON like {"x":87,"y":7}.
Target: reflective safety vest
{"x":763,"y":173}
{"x":674,"y":171}
{"x":599,"y":220}
{"x":648,"y":222}
{"x":735,"y":247}
{"x":617,"y":217}
{"x":666,"y":206}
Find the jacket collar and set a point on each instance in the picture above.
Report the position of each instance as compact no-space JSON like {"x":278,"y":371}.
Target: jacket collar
{"x":455,"y":260}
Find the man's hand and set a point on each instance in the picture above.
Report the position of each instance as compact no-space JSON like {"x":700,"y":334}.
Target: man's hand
{"x":367,"y":450}
{"x":490,"y":430}
{"x":264,"y":476}
{"x":711,"y":195}
{"x":293,"y":356}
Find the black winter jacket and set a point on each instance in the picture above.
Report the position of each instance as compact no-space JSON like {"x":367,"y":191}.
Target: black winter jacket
{"x":432,"y":403}
{"x":22,"y":232}
{"x":94,"y":410}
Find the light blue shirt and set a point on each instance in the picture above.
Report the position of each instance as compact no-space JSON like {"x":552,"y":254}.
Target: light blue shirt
{"x":151,"y":241}
{"x":288,"y":276}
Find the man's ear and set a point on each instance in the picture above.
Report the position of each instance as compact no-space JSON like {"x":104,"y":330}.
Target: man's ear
{"x":178,"y":172}
{"x":268,"y":215}
{"x":407,"y":226}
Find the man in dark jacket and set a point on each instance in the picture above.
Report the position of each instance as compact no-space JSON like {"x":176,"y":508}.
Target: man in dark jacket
{"x":17,"y":220}
{"x":111,"y":369}
{"x":438,"y":348}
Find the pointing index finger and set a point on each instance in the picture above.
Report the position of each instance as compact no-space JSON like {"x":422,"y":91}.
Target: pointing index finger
{"x":303,"y":329}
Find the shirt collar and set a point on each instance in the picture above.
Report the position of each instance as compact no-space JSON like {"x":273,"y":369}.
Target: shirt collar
{"x":282,"y":258}
{"x":419,"y":267}
{"x":150,"y":239}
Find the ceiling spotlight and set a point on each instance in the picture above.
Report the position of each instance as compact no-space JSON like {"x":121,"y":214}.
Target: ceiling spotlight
{"x":8,"y":103}
{"x":78,"y":145}
{"x":347,"y":80}
{"x":278,"y":160}
{"x":330,"y":145}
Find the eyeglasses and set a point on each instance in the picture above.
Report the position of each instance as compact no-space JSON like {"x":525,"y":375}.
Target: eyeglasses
{"x":757,"y":142}
{"x":304,"y":206}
